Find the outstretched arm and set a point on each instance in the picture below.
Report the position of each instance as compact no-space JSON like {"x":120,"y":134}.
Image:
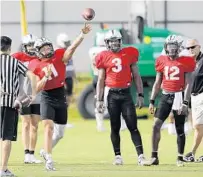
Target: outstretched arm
{"x":71,"y":49}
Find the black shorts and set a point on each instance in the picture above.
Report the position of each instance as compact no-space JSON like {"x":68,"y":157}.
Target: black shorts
{"x":165,"y":107}
{"x":94,"y":82}
{"x":32,"y":109}
{"x":9,"y":123}
{"x":53,"y":106}
{"x":69,"y":86}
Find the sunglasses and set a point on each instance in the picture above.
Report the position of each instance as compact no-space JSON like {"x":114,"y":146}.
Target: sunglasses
{"x":188,"y":48}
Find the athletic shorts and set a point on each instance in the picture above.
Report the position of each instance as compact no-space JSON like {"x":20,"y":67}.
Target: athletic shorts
{"x":32,"y":109}
{"x":8,"y":123}
{"x":197,"y":109}
{"x":53,"y":106}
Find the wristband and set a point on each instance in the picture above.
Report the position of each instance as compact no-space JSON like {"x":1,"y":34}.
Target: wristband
{"x":141,"y":95}
{"x":152,"y":101}
{"x":82,"y":35}
{"x":185,"y":102}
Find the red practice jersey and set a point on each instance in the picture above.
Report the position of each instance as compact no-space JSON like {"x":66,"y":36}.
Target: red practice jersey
{"x":24,"y":58}
{"x":174,"y":71}
{"x":58,"y":68}
{"x":117,"y":66}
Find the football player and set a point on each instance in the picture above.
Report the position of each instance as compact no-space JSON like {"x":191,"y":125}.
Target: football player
{"x":171,"y":126}
{"x":116,"y":67}
{"x":30,"y":115}
{"x":51,"y":71}
{"x":100,"y":46}
{"x":172,"y":74}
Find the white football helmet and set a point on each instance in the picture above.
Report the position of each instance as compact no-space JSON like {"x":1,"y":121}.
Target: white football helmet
{"x":63,"y":40}
{"x":172,"y":46}
{"x":113,"y":40}
{"x":28,"y":40}
{"x":41,"y":42}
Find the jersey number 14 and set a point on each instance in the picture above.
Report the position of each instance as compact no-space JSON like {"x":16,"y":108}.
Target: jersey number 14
{"x":53,"y":70}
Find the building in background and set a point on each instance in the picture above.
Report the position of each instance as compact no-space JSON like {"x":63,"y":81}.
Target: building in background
{"x":49,"y":18}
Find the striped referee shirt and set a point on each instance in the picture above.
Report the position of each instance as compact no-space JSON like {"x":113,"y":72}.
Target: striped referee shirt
{"x":10,"y":70}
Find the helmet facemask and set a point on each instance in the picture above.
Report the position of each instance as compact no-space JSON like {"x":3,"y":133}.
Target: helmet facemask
{"x":29,"y":49}
{"x":172,"y":49}
{"x":45,"y":51}
{"x":113,"y":44}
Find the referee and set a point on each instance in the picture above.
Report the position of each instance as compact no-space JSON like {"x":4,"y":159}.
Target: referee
{"x":10,"y":70}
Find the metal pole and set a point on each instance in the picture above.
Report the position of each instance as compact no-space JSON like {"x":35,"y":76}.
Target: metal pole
{"x":165,"y":13}
{"x":42,"y":17}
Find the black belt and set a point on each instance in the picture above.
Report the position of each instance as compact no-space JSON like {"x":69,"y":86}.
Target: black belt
{"x":119,"y":90}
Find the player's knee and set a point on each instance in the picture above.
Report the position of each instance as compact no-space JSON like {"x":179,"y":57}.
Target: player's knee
{"x":115,"y":129}
{"x":26,"y":126}
{"x":34,"y":128}
{"x":180,"y":130}
{"x":157,"y":125}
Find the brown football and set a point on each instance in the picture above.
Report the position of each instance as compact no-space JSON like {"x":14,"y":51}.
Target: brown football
{"x":88,"y":14}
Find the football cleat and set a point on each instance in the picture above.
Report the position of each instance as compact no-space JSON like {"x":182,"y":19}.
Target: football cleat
{"x":189,"y":157}
{"x":142,"y":161}
{"x":154,"y":161}
{"x":27,"y":158}
{"x":180,"y":163}
{"x":118,"y":160}
{"x":34,"y":160}
{"x":200,"y":159}
{"x":6,"y":173}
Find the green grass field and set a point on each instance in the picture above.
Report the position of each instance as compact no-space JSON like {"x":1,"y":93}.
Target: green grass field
{"x":84,"y":152}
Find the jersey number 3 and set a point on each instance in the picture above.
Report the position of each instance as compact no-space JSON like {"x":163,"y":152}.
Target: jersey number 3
{"x":118,"y":66}
{"x":174,"y":72}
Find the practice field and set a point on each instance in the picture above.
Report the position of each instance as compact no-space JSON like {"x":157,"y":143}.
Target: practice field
{"x":84,"y":152}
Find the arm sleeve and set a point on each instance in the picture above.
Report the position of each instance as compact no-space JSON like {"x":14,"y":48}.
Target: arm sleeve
{"x":189,"y":64}
{"x":159,"y":65}
{"x":22,"y":68}
{"x":18,"y":56}
{"x":60,"y":53}
{"x":99,"y":61}
{"x":135,"y":54}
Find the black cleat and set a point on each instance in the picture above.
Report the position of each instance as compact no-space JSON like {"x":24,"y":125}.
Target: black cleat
{"x":189,"y":157}
{"x":154,"y":161}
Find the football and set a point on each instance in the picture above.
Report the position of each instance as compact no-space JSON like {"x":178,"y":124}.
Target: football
{"x":88,"y":14}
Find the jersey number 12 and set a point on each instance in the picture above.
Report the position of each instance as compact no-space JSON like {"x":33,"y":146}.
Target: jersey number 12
{"x":173,"y":75}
